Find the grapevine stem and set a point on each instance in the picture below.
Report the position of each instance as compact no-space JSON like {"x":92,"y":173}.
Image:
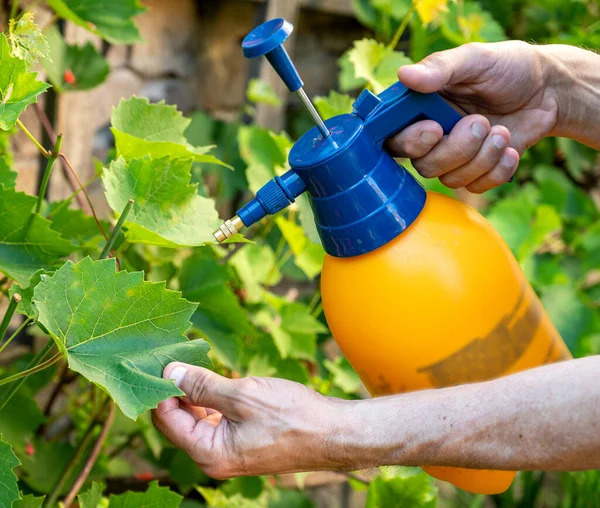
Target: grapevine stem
{"x":48,"y":128}
{"x":400,"y":31}
{"x":47,"y":172}
{"x":10,"y":311}
{"x":66,"y":474}
{"x":44,"y":152}
{"x":66,"y":202}
{"x":36,"y":361}
{"x":14,"y":8}
{"x":33,"y":370}
{"x":89,"y":463}
{"x":17,"y":332}
{"x":87,"y":197}
{"x":110,"y":242}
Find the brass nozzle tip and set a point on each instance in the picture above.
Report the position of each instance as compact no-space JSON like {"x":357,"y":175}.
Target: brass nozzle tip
{"x":228,"y":229}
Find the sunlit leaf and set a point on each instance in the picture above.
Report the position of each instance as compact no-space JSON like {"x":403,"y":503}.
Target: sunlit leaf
{"x":18,"y":87}
{"x":417,"y":491}
{"x":91,"y":498}
{"x":430,"y":10}
{"x":142,"y":129}
{"x":118,"y":330}
{"x":154,"y":497}
{"x":8,"y":178}
{"x":344,"y":375}
{"x":262,"y":92}
{"x":110,"y":19}
{"x":27,"y":41}
{"x":168,"y":210}
{"x":334,"y":104}
{"x":468,"y":22}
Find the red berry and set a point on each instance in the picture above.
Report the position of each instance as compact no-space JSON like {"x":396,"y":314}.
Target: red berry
{"x":69,"y":77}
{"x":144,"y":477}
{"x":29,"y":449}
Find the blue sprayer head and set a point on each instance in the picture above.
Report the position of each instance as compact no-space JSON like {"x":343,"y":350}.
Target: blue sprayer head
{"x":360,"y":196}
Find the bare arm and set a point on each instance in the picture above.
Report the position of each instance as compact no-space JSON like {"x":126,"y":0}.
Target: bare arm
{"x":543,"y":419}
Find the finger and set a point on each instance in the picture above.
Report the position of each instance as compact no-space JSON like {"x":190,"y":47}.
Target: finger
{"x":501,"y":173}
{"x":459,"y":147}
{"x":175,"y":423}
{"x":458,"y":65}
{"x":489,"y":155}
{"x":416,"y":140}
{"x":204,"y":388}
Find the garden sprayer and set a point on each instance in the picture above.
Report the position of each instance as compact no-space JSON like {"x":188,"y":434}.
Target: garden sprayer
{"x":418,"y":289}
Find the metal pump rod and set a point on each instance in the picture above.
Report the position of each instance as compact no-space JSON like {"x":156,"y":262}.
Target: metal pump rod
{"x":313,"y":112}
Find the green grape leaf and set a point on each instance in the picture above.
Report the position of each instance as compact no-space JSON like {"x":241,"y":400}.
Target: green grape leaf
{"x":154,"y":497}
{"x":20,"y":418}
{"x":29,"y":501}
{"x":264,"y":152}
{"x":373,"y":63}
{"x":256,"y":265}
{"x":219,"y":315}
{"x":9,"y":491}
{"x":416,"y":491}
{"x":347,"y":79}
{"x":307,"y":255}
{"x":545,"y":222}
{"x":307,"y":219}
{"x":344,"y":375}
{"x":141,"y":129}
{"x":118,"y":330}
{"x":73,"y":67}
{"x":27,"y":242}
{"x":110,"y":19}
{"x":8,"y":178}
{"x":261,"y":92}
{"x":91,"y":498}
{"x":26,"y":306}
{"x":334,"y":104}
{"x":77,"y":227}
{"x":168,"y":210}
{"x":27,"y":41}
{"x":580,"y":159}
{"x":18,"y":88}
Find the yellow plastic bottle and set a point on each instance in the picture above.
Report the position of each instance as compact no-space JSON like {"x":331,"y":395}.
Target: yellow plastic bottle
{"x":442,"y":304}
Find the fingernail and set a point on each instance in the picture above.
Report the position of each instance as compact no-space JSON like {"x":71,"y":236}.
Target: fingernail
{"x":507,"y":161}
{"x":499,"y":141}
{"x":479,"y":130}
{"x":177,"y":375}
{"x":429,"y":138}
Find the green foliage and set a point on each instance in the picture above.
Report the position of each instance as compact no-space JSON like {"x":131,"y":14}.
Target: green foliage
{"x":111,"y":19}
{"x":18,"y":87}
{"x":27,"y":241}
{"x":168,"y":210}
{"x":8,"y":461}
{"x":118,"y":322}
{"x":105,"y":321}
{"x":73,"y":67}
{"x":26,"y":39}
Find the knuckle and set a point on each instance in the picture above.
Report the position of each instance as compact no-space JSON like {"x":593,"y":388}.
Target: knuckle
{"x":451,"y":181}
{"x":426,"y":169}
{"x":200,"y":386}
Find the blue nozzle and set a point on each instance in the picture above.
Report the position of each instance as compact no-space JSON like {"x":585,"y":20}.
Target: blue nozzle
{"x":267,"y":39}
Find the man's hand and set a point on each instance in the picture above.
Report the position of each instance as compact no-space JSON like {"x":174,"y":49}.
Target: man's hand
{"x":252,"y":426}
{"x":504,"y":88}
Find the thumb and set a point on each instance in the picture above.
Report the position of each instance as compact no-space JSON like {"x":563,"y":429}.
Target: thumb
{"x":450,"y":67}
{"x":202,"y":387}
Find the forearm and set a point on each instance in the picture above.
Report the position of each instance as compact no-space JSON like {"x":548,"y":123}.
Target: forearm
{"x":544,"y":419}
{"x":572,"y":74}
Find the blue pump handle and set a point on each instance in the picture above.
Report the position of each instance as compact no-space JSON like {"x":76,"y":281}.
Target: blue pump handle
{"x":267,"y":39}
{"x":397,"y":107}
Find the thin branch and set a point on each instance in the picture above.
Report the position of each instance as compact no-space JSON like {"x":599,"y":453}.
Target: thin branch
{"x":66,"y":202}
{"x":42,"y":150}
{"x":87,"y":197}
{"x":63,"y":376}
{"x":401,"y":29}
{"x":17,"y":332}
{"x":50,"y":132}
{"x":33,"y":370}
{"x":10,"y":312}
{"x":14,"y":8}
{"x":110,"y":242}
{"x":89,"y":463}
{"x":124,"y":445}
{"x":48,"y":172}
